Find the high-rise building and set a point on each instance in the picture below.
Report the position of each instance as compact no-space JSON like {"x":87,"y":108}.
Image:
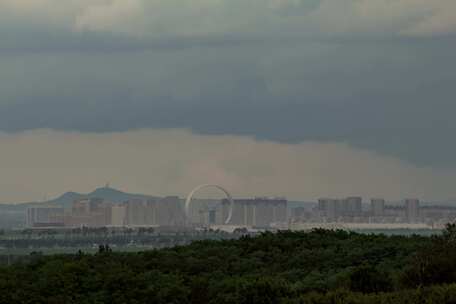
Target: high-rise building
{"x":136,"y":214}
{"x":167,"y":211}
{"x":298,"y":214}
{"x":352,"y":206}
{"x":412,"y":210}
{"x":45,"y":217}
{"x":333,"y":209}
{"x":329,"y":208}
{"x":171,"y":211}
{"x":93,"y":212}
{"x":257,"y":212}
{"x":212,"y":216}
{"x":118,"y":215}
{"x":151,"y":212}
{"x":377,"y":207}
{"x":201,"y":210}
{"x":80,"y":207}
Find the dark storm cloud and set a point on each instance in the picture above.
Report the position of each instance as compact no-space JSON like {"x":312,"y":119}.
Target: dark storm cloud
{"x":32,"y":41}
{"x":397,"y":100}
{"x":282,"y":80}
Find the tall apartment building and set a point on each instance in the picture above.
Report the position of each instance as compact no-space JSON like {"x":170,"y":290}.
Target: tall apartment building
{"x":377,"y":207}
{"x":329,"y":208}
{"x":352,"y":206}
{"x":80,"y":207}
{"x":118,"y":215}
{"x":412,"y":210}
{"x":167,"y":211}
{"x":204,"y":211}
{"x":136,"y":212}
{"x":45,"y":217}
{"x":171,"y":211}
{"x":256,"y":212}
{"x":334,"y":210}
{"x":94,"y":212}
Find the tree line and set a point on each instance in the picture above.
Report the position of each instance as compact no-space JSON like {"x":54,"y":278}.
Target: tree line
{"x":320,"y":266}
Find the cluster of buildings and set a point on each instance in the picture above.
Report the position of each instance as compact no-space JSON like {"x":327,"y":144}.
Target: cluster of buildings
{"x":333,"y":209}
{"x":167,"y":211}
{"x":96,"y":212}
{"x":44,"y":217}
{"x":352,"y":210}
{"x":258,"y":212}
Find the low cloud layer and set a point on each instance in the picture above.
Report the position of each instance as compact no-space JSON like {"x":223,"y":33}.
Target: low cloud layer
{"x":199,"y":17}
{"x":393,"y":98}
{"x":162,"y":162}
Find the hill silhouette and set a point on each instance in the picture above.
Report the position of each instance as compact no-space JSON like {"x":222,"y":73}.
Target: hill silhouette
{"x":106,"y":193}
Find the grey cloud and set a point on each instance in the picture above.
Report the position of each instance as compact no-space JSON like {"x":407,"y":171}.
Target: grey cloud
{"x":175,"y":18}
{"x":32,"y":41}
{"x":137,"y":25}
{"x":379,"y":98}
{"x":378,"y":90}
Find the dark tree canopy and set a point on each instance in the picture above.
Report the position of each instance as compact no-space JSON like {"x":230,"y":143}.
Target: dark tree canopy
{"x":285,"y":267}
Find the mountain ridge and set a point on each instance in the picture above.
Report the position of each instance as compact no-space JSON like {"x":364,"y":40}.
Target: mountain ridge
{"x":106,"y":193}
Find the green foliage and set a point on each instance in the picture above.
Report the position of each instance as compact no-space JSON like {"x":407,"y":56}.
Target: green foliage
{"x":368,"y":279}
{"x":434,"y":264}
{"x":287,"y":267}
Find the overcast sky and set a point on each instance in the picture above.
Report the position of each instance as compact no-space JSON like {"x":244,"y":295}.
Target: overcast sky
{"x":302,"y":98}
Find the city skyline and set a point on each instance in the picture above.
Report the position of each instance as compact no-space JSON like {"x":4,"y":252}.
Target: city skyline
{"x":263,"y":213}
{"x":124,"y":192}
{"x":207,"y":192}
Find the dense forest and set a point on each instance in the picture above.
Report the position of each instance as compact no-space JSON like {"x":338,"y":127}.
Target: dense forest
{"x":320,"y":266}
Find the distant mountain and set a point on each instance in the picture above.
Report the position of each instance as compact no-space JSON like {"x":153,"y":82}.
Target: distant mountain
{"x":66,"y":198}
{"x":111,"y":195}
{"x":13,"y":215}
{"x":116,"y":196}
{"x":106,"y":193}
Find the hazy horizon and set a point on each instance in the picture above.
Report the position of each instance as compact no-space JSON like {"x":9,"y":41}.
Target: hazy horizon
{"x":165,"y":162}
